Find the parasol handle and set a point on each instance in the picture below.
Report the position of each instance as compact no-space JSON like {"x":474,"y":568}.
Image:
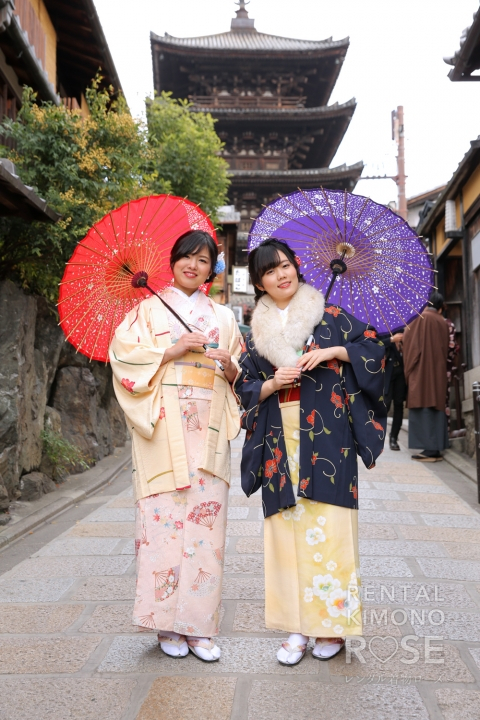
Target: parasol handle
{"x":338,"y":267}
{"x":140,"y":280}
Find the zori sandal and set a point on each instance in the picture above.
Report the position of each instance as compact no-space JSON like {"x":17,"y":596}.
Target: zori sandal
{"x":172,"y":647}
{"x":288,"y":657}
{"x":204,"y":649}
{"x":326,"y":648}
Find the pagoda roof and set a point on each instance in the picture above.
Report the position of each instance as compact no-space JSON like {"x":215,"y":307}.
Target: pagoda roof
{"x":286,"y":113}
{"x":175,"y":59}
{"x":250,"y":42}
{"x":326,"y":125}
{"x":340,"y":177}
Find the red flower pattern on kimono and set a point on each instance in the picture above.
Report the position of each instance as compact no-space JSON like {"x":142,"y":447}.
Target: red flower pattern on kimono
{"x":270,"y":468}
{"x":335,"y":311}
{"x":314,"y":458}
{"x":382,"y":364}
{"x":333,"y":365}
{"x":304,"y":483}
{"x":128,"y":385}
{"x":370,"y":334}
{"x":278,"y":454}
{"x":162,"y":413}
{"x":336,"y":400}
{"x":354,"y":491}
{"x":283,"y":480}
{"x":214,"y":335}
{"x":377,"y":425}
{"x":311,"y":418}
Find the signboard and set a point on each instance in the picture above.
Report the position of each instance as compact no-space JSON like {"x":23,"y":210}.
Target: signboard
{"x":240,"y":279}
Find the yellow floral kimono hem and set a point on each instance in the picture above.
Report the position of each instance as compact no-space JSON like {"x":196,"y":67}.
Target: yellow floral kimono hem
{"x":311,"y":559}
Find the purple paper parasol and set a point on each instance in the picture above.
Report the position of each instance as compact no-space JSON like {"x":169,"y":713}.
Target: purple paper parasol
{"x":389,"y":275}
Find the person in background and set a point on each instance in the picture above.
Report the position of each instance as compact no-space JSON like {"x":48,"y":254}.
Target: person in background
{"x":425,"y":353}
{"x":395,"y":385}
{"x":453,"y":349}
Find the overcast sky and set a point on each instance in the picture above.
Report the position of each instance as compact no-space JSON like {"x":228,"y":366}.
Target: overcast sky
{"x":395,"y":58}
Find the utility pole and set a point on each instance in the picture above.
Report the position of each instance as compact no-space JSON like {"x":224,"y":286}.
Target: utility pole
{"x":399,"y":136}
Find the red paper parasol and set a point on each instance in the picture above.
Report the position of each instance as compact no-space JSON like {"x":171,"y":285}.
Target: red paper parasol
{"x":96,"y":291}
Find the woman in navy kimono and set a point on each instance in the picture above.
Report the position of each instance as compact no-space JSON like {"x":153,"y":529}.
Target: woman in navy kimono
{"x":312,"y":391}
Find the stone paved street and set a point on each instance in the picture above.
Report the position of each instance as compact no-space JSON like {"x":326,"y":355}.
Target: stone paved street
{"x":67,"y":650}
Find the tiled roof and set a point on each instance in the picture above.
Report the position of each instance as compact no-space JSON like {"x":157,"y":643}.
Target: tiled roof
{"x":467,"y":59}
{"x":309,"y":173}
{"x":466,"y":166}
{"x":290,"y":113}
{"x":249,"y":41}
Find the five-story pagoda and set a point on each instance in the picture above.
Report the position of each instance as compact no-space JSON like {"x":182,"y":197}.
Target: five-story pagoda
{"x":270,"y":96}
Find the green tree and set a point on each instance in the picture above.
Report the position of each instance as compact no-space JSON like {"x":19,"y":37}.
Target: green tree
{"x":82,"y":166}
{"x":185,"y":153}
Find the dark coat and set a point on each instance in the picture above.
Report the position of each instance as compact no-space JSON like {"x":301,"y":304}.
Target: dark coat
{"x":342,"y":413}
{"x":425,"y":352}
{"x":393,"y":367}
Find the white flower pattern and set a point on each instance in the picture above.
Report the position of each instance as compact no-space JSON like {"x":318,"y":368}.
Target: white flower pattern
{"x":340,"y":602}
{"x":314,"y":536}
{"x":317,"y":557}
{"x":331,"y":565}
{"x":308,"y":594}
{"x":323,"y":585}
{"x":298,"y":512}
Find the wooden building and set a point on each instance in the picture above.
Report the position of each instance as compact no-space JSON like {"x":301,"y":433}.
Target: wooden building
{"x":452,"y":228}
{"x":270,"y":97}
{"x":56,"y":48}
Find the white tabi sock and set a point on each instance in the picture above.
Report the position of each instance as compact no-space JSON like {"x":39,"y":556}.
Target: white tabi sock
{"x":295,"y":640}
{"x":208,"y":655}
{"x":177,"y":648}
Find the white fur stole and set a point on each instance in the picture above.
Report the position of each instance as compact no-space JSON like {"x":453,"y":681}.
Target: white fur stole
{"x":279,"y":344}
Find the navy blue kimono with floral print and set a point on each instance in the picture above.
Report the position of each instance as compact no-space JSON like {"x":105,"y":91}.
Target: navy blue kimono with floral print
{"x":342,"y":414}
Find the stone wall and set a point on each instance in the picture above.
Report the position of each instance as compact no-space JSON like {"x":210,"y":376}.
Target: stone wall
{"x":43,"y":381}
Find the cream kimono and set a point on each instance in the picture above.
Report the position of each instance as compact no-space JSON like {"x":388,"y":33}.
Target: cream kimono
{"x":181,"y":417}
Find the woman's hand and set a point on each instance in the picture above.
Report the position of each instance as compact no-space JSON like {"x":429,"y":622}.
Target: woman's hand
{"x":186,"y":343}
{"x":225,"y":358}
{"x":283,"y":376}
{"x":313,"y":358}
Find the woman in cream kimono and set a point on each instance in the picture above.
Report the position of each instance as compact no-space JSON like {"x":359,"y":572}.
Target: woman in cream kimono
{"x":181,"y":414}
{"x":312,"y":390}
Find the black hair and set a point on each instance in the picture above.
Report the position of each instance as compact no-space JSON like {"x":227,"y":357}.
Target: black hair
{"x":436,"y":300}
{"x":265,"y":257}
{"x":190,"y":243}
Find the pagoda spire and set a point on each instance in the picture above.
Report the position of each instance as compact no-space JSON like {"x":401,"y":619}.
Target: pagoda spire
{"x":242,"y":23}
